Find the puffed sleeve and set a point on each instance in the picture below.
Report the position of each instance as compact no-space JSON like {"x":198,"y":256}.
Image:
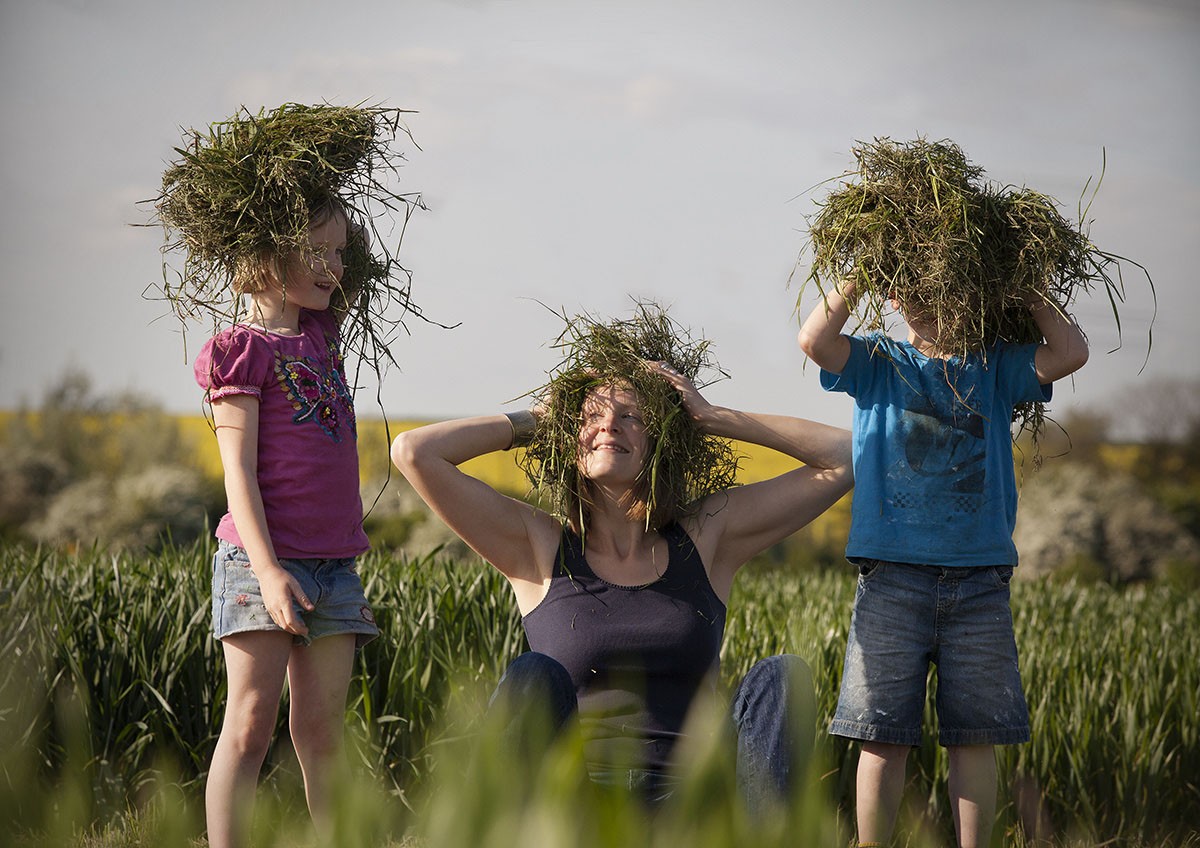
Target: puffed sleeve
{"x":237,"y":361}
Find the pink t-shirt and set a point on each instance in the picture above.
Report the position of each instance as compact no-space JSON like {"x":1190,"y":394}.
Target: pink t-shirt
{"x":307,"y":439}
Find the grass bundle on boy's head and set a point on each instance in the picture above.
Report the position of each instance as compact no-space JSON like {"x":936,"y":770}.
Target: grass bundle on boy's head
{"x":683,"y":466}
{"x":922,"y":226}
{"x":247,"y":188}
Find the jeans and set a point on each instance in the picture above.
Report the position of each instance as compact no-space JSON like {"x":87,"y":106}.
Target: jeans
{"x":530,"y":679}
{"x":909,"y":616}
{"x":333,"y":585}
{"x":771,"y":717}
{"x":773,"y":713}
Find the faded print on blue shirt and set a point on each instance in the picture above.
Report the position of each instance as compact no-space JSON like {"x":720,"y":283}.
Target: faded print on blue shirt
{"x":933,"y":464}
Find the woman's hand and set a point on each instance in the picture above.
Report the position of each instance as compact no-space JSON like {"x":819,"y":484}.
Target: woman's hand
{"x":699,"y":409}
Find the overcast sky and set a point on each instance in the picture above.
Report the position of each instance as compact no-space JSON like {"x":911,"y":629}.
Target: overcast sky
{"x":580,"y":153}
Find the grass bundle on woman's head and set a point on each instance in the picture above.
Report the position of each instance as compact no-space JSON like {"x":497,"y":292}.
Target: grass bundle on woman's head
{"x":922,"y":226}
{"x":244,"y":192}
{"x":683,"y":465}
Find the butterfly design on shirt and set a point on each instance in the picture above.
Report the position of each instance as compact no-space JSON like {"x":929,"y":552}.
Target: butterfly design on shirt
{"x":316,"y":394}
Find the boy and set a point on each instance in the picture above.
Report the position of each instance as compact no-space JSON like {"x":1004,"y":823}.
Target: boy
{"x":931,"y":531}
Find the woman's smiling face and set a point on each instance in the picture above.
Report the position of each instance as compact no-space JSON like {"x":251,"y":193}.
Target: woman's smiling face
{"x":612,"y":435}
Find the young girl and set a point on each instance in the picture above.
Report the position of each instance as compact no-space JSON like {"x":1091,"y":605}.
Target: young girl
{"x":286,"y":597}
{"x":272,"y":210}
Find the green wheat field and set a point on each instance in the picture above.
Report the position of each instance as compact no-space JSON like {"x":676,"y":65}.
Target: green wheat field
{"x":111,"y":691}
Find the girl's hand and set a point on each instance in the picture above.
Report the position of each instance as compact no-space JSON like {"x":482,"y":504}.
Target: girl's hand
{"x":279,"y":590}
{"x":697,"y":407}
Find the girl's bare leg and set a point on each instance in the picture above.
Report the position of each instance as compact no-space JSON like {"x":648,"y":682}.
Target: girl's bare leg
{"x":318,"y":679}
{"x":255,"y":663}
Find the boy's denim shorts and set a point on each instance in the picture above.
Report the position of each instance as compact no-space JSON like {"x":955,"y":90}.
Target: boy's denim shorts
{"x":908,"y":616}
{"x":333,"y":586}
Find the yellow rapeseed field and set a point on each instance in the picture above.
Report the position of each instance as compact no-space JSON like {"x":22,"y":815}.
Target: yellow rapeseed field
{"x":500,"y":469}
{"x":496,"y":469}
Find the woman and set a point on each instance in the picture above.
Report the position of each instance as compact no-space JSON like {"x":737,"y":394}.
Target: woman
{"x":623,"y":603}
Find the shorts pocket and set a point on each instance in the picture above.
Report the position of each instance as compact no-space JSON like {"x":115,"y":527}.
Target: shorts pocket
{"x":1003,"y":574}
{"x":868,"y":568}
{"x":230,"y":555}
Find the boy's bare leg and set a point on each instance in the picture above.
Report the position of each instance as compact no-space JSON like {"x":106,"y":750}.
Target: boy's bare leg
{"x":880,"y":786}
{"x":973,"y":793}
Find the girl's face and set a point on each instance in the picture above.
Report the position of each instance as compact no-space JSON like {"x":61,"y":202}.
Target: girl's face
{"x":312,"y":278}
{"x":613,"y":442}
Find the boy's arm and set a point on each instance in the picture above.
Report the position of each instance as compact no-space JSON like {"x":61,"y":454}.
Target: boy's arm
{"x":1064,"y":350}
{"x":821,"y":336}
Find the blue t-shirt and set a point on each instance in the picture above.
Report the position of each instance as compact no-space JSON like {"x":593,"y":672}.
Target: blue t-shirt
{"x":933,"y":464}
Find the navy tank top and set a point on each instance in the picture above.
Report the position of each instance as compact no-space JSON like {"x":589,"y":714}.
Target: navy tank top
{"x":638,"y":655}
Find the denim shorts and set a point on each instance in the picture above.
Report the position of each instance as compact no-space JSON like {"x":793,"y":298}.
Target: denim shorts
{"x":333,"y":586}
{"x":908,"y":616}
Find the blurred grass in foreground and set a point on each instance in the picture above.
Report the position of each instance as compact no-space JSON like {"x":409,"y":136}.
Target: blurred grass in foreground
{"x":111,"y":689}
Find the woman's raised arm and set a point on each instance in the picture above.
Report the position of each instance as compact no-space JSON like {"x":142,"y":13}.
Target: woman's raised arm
{"x":733,"y":526}
{"x":516,"y":538}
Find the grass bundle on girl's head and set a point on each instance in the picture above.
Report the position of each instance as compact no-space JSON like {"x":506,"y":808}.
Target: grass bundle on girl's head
{"x":921,"y":225}
{"x":244,"y":192}
{"x":683,"y":466}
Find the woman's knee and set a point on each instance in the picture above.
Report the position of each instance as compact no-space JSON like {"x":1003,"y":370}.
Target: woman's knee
{"x":773,"y":683}
{"x":534,"y":675}
{"x":532,"y":668}
{"x":536,"y":679}
{"x":782,"y":669}
{"x":774,"y":717}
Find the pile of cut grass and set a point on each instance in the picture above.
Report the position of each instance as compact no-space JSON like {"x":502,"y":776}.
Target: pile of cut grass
{"x":922,"y":226}
{"x":247,"y":187}
{"x":684,"y":464}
